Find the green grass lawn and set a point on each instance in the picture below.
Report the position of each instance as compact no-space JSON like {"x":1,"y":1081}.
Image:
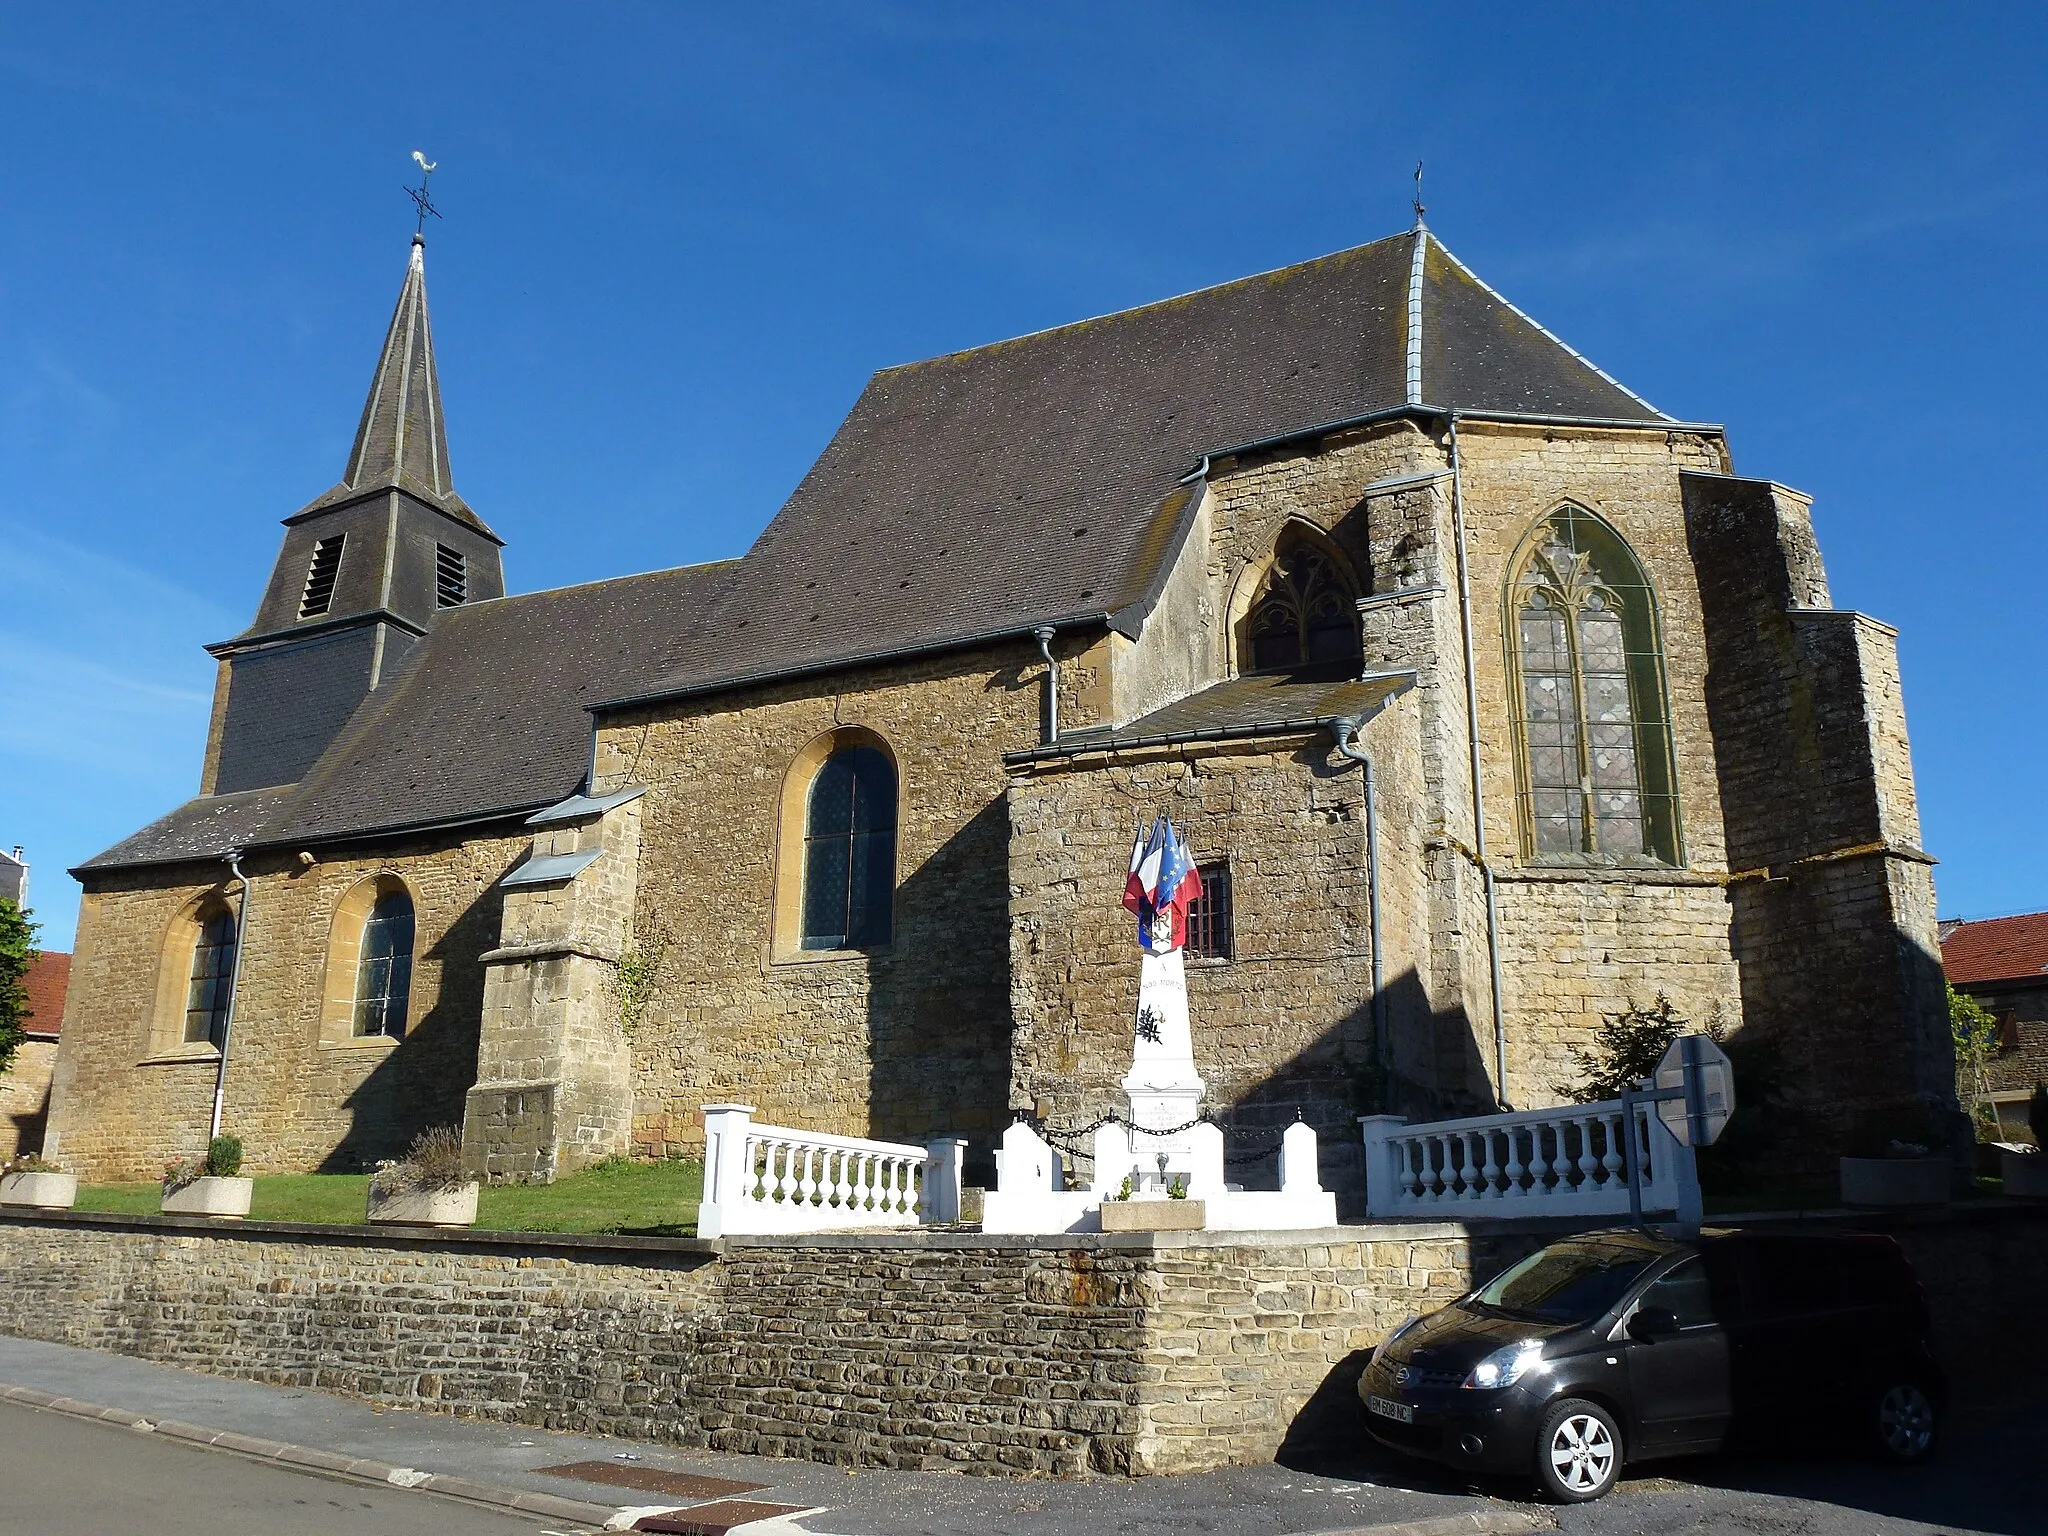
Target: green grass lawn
{"x":652,"y":1199}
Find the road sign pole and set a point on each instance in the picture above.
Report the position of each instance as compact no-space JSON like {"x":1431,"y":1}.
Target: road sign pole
{"x":1635,"y":1158}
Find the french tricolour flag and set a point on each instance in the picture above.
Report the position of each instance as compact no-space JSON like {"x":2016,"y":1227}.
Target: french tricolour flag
{"x":1162,"y":885}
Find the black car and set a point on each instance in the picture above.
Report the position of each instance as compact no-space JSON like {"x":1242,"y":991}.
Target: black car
{"x":1624,"y":1346}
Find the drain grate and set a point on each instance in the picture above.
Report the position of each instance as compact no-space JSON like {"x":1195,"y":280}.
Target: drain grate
{"x":714,"y":1519}
{"x":679,"y":1485}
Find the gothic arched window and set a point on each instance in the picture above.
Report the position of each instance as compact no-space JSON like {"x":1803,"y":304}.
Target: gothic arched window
{"x":384,"y":967}
{"x":1305,"y":611}
{"x":212,"y":981}
{"x":850,"y":851}
{"x":1595,"y":740}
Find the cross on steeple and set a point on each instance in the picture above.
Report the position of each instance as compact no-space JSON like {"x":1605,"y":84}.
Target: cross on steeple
{"x":418,"y":194}
{"x":1418,"y":194}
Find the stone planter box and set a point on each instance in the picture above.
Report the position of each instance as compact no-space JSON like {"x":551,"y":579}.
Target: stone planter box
{"x":2026,"y":1174}
{"x":1896,"y":1181}
{"x":426,"y":1207}
{"x":211,"y":1197}
{"x":40,"y":1191}
{"x":1154,"y":1215}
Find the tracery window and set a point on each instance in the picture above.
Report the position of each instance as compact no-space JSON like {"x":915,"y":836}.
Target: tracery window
{"x":384,"y":967}
{"x":1595,"y":747}
{"x":1305,"y":611}
{"x":850,"y":851}
{"x":212,"y":980}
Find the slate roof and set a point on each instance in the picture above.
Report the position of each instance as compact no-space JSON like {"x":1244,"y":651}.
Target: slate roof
{"x":1996,"y":949}
{"x":1256,"y":704}
{"x":984,"y":493}
{"x":488,"y":718}
{"x":402,"y":440}
{"x":1038,"y":480}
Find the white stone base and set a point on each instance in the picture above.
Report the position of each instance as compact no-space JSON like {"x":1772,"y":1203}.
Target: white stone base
{"x":426,"y":1207}
{"x":40,"y":1191}
{"x":2025,"y":1174}
{"x":211,"y":1197}
{"x":1896,"y":1181}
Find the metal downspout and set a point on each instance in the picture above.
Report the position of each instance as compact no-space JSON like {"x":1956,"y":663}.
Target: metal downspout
{"x":227,"y":1023}
{"x":1344,"y":730}
{"x":1500,"y":1032}
{"x":1052,"y":692}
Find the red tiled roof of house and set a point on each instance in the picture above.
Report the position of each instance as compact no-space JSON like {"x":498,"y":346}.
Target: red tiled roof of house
{"x":1997,"y":949}
{"x":47,"y":981}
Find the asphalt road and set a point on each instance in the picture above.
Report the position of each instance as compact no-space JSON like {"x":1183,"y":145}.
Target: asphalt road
{"x":66,"y":1477}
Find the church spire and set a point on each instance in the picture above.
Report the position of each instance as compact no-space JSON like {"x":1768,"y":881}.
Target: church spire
{"x":403,"y":439}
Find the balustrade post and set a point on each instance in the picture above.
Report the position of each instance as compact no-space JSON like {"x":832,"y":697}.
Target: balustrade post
{"x":939,"y":1199}
{"x":726,"y":1165}
{"x":1382,"y":1175}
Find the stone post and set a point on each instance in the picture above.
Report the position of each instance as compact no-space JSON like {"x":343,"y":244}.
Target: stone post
{"x":1299,"y":1174}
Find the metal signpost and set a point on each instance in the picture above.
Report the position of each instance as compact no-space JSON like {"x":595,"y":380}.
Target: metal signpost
{"x":1694,"y":1091}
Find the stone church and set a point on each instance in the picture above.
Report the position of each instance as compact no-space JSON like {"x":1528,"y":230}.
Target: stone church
{"x":1491,"y":699}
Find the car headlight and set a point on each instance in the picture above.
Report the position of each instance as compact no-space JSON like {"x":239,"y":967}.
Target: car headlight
{"x":1506,"y":1365}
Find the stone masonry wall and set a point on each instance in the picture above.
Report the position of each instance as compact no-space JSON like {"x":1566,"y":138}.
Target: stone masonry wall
{"x":1286,"y":1023}
{"x":1007,"y":1356}
{"x":299,"y":1095}
{"x":906,"y":1041}
{"x":25,"y":1097}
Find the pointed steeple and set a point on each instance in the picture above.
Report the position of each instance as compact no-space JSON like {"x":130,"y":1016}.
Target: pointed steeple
{"x":402,"y":440}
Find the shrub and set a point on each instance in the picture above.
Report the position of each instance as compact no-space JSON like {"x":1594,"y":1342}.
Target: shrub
{"x":28,"y":1162}
{"x":1626,"y":1048}
{"x":17,"y":953}
{"x":180,"y":1171}
{"x":434,"y":1162}
{"x":224,"y":1157}
{"x":1905,"y":1130}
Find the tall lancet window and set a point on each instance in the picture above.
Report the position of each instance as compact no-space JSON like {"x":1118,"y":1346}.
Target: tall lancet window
{"x":1305,"y":611}
{"x":1594,"y":733}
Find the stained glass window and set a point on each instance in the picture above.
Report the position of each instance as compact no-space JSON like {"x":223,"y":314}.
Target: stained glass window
{"x":850,"y":851}
{"x":1596,"y":755}
{"x":213,"y":980}
{"x":1305,"y":611}
{"x":384,"y":967}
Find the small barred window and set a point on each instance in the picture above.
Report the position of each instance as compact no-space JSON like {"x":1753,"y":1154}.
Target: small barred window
{"x":451,"y":577}
{"x":319,"y":594}
{"x":1209,"y":917}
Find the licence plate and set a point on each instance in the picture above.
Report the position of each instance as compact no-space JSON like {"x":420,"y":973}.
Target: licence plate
{"x":1399,"y":1412}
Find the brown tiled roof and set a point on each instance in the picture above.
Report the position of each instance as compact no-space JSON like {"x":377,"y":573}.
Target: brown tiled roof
{"x":47,"y":981}
{"x":1997,"y":949}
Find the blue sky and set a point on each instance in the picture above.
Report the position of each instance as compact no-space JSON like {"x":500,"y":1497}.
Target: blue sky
{"x":678,"y":239}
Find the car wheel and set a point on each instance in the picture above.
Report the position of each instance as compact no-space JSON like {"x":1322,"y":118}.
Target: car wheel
{"x":1578,"y":1451}
{"x":1903,"y":1420}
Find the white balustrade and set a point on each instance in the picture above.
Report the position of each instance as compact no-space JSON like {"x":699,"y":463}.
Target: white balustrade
{"x":761,"y":1179}
{"x":1569,"y":1161}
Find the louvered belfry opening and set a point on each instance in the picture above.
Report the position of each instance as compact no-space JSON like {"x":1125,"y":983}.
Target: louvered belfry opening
{"x":451,"y":577}
{"x":326,"y":566}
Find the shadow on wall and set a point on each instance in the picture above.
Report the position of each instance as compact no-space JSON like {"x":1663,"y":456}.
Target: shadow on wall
{"x":939,"y":1001}
{"x":30,"y":1127}
{"x":423,"y":1080}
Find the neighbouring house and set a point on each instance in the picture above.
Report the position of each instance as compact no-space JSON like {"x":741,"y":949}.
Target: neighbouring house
{"x":25,"y":1090}
{"x":2003,"y":963}
{"x":14,"y":877}
{"x":1490,"y":697}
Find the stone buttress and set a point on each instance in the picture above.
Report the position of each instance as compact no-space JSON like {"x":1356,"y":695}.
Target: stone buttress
{"x":554,"y":1086}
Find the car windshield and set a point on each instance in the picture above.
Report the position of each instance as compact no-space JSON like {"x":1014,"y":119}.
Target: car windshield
{"x":1566,"y":1283}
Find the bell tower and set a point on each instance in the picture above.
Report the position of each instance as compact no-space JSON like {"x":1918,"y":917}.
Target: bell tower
{"x":362,"y":573}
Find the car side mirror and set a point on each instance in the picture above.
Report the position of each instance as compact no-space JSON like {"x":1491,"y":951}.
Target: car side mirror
{"x":1652,"y":1323}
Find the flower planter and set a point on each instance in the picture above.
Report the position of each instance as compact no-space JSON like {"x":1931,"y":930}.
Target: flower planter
{"x":2026,"y":1174}
{"x":1154,"y":1215}
{"x":1896,"y":1181}
{"x":39,"y":1191}
{"x":211,"y":1197}
{"x":426,"y":1207}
